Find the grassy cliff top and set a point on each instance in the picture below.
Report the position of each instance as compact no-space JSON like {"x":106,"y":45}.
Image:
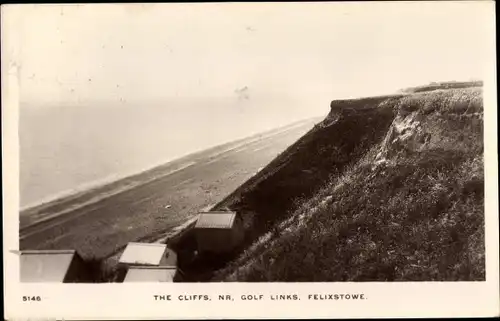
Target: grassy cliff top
{"x":384,"y":189}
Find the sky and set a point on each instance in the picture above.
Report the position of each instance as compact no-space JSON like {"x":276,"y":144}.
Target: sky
{"x":76,"y":53}
{"x":190,"y":76}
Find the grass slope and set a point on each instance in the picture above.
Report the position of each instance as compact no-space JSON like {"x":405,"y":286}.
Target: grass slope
{"x":384,"y":189}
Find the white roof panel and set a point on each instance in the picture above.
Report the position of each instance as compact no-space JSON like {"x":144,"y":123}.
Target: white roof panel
{"x":156,"y":274}
{"x":45,"y":266}
{"x":215,"y":220}
{"x":143,"y":253}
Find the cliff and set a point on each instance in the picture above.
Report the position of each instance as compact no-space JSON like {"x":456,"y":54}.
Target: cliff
{"x":384,"y":189}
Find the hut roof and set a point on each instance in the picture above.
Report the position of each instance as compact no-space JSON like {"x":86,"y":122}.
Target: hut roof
{"x":216,"y":220}
{"x":150,"y":274}
{"x":45,"y":265}
{"x":148,"y":254}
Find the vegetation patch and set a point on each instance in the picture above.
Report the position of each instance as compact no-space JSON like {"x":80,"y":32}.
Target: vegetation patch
{"x":388,"y":189}
{"x":101,"y":270}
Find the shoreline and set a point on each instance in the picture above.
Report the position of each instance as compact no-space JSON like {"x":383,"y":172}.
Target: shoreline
{"x":118,"y":178}
{"x":151,"y":206}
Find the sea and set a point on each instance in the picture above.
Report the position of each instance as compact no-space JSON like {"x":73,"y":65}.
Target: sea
{"x":65,"y":148}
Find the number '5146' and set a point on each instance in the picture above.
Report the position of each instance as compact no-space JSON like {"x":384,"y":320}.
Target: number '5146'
{"x":31,"y":298}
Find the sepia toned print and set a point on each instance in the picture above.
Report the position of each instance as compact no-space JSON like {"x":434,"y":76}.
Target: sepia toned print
{"x":241,"y":155}
{"x":385,"y":188}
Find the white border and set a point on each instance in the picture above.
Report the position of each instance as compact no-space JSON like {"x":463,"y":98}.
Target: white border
{"x":125,"y":301}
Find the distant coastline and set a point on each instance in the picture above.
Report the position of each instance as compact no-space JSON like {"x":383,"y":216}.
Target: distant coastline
{"x":176,"y":163}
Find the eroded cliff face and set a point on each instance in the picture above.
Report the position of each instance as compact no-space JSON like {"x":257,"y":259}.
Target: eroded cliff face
{"x":421,"y":118}
{"x":385,"y":188}
{"x":332,"y":145}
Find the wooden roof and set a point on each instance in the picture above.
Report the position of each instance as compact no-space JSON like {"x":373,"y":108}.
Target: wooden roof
{"x":45,"y":265}
{"x":216,"y":219}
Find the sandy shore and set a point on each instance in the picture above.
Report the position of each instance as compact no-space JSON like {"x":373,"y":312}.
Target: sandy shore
{"x":145,"y":207}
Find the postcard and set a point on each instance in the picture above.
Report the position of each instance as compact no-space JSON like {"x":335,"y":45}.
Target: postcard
{"x":250,"y":160}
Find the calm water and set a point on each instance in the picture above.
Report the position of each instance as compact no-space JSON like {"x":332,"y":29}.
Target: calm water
{"x":68,"y":148}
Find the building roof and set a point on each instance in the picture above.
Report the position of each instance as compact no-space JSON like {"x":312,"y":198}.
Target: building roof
{"x":215,"y":219}
{"x":45,"y":265}
{"x":150,"y":274}
{"x":148,"y":254}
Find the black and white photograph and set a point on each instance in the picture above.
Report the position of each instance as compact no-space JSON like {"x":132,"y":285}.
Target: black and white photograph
{"x":251,"y":143}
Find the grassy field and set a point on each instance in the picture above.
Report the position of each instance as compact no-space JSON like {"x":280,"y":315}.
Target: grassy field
{"x":384,"y":189}
{"x":444,"y":85}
